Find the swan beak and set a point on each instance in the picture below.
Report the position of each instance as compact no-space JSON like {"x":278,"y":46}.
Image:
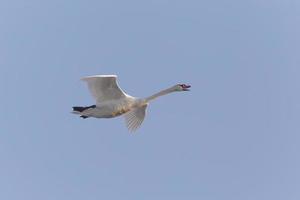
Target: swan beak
{"x":186,"y":88}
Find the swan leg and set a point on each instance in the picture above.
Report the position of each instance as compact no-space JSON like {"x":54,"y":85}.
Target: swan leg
{"x":82,"y":108}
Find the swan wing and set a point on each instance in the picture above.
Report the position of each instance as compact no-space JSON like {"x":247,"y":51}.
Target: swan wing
{"x":104,"y":87}
{"x":135,"y":118}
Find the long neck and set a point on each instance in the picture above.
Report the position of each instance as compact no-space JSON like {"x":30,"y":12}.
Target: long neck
{"x":161,"y":93}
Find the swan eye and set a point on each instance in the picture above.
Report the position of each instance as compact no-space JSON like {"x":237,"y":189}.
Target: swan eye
{"x":182,"y":86}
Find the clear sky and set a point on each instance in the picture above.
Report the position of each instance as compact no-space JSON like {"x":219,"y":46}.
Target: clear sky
{"x":234,"y":136}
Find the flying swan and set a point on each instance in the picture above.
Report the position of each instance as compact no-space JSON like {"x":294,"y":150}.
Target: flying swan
{"x":112,"y":101}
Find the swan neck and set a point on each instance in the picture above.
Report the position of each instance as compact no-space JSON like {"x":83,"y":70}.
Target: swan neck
{"x":161,"y":93}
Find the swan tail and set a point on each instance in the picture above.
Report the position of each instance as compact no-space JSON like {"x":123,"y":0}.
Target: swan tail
{"x":80,"y":109}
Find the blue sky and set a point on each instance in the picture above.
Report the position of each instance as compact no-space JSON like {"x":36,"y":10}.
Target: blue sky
{"x":234,"y":136}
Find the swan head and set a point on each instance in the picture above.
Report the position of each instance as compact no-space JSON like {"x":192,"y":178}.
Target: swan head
{"x":182,"y":87}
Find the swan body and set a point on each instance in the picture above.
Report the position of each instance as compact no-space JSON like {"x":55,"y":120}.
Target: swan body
{"x":112,"y":101}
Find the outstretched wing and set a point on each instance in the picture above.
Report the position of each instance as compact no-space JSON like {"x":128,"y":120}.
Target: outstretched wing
{"x":135,"y":118}
{"x":104,"y":87}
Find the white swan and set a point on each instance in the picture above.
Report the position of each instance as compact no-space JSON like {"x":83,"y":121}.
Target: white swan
{"x":112,"y":101}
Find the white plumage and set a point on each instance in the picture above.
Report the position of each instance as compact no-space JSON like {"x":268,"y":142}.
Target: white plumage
{"x":112,"y":101}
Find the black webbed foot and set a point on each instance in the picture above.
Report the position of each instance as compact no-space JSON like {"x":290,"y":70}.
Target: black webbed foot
{"x":82,"y":108}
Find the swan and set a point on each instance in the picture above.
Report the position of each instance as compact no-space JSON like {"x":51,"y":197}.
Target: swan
{"x":112,"y":101}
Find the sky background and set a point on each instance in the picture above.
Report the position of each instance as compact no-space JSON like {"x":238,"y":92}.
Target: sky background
{"x":234,"y":136}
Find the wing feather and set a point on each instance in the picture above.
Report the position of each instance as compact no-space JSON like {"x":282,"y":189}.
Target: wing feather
{"x":104,"y":87}
{"x":135,"y":118}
